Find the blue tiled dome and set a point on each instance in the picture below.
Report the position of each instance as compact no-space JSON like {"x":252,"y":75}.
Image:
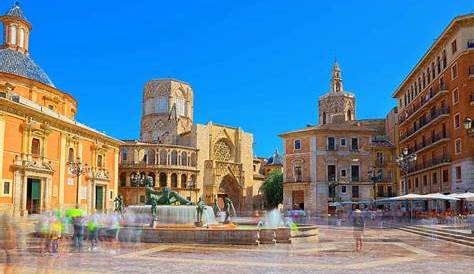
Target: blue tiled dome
{"x":17,"y":63}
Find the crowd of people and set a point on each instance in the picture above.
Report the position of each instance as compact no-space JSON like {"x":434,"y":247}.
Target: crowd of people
{"x":55,"y":227}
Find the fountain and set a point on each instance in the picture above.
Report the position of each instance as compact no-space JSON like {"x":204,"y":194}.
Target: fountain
{"x":173,"y":215}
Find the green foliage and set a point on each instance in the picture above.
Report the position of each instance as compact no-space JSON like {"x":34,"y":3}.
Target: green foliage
{"x":272,"y":189}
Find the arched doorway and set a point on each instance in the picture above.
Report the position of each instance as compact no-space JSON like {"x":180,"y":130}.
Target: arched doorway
{"x":230,"y":187}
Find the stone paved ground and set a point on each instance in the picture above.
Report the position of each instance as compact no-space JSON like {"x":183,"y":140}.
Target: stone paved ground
{"x":385,"y":251}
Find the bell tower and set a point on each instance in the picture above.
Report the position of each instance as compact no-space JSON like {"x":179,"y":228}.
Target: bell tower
{"x":337,"y":105}
{"x":16,"y":30}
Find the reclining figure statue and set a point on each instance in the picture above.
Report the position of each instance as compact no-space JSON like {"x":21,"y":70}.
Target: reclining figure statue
{"x":165,"y":197}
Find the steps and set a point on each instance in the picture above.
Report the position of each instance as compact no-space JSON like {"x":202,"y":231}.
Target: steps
{"x":442,"y":234}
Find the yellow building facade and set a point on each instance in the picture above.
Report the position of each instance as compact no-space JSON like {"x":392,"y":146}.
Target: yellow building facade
{"x":39,"y":137}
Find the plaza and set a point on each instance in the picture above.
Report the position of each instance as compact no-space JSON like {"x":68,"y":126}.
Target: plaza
{"x":385,"y":251}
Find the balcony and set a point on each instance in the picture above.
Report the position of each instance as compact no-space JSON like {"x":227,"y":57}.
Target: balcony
{"x":471,"y":97}
{"x":417,"y":107}
{"x":432,"y":163}
{"x":430,"y":142}
{"x":433,"y":116}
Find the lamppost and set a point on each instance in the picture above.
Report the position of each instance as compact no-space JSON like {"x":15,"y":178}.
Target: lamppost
{"x":404,"y":161}
{"x":468,"y":125}
{"x":191,"y":186}
{"x":77,"y":169}
{"x":375,"y":179}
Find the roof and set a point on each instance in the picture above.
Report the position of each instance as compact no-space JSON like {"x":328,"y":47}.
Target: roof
{"x":20,"y":64}
{"x":275,"y":159}
{"x":16,"y":11}
{"x":356,"y":125}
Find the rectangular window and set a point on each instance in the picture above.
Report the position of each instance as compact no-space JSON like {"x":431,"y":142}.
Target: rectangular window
{"x":355,"y":144}
{"x":434,"y":178}
{"x":343,"y":173}
{"x":457,"y":146}
{"x":455,"y":96}
{"x":343,"y":142}
{"x":331,"y":173}
{"x":35,"y":147}
{"x":355,"y":173}
{"x":355,"y":191}
{"x":416,"y":182}
{"x":454,"y":71}
{"x":445,"y":176}
{"x":343,"y":189}
{"x":425,"y":180}
{"x":298,"y":174}
{"x":454,"y":46}
{"x":458,"y":173}
{"x":331,"y":143}
{"x":6,"y":188}
{"x":457,"y":120}
{"x":380,"y":191}
{"x":297,"y":144}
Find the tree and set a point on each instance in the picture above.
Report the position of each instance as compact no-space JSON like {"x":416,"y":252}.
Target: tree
{"x":272,"y":189}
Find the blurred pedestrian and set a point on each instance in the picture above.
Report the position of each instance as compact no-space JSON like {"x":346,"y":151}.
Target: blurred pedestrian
{"x":8,"y":243}
{"x":93,"y":229}
{"x":358,"y":225}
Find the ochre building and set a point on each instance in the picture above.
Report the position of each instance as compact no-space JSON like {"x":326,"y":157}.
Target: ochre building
{"x":194,"y":160}
{"x":39,"y":136}
{"x":433,"y":101}
{"x":341,"y":159}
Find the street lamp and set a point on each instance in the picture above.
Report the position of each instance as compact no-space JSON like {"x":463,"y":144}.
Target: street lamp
{"x":404,"y":161}
{"x":468,"y":125}
{"x":77,"y":169}
{"x":375,"y":179}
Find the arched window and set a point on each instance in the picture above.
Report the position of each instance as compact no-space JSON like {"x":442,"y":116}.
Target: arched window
{"x":174,"y":180}
{"x":193,"y":180}
{"x":153,"y":177}
{"x":100,"y":161}
{"x":324,"y":118}
{"x":184,"y":159}
{"x":145,"y":156}
{"x":13,"y":34}
{"x":193,"y":159}
{"x":133,"y":179}
{"x":163,"y":157}
{"x":124,"y":154}
{"x":163,"y":179}
{"x":349,"y":115}
{"x":35,"y":147}
{"x":22,"y":37}
{"x":151,"y":157}
{"x":174,"y":157}
{"x":70,"y":155}
{"x":184,"y":180}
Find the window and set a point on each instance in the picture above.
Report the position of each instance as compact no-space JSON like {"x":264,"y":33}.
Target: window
{"x":35,"y":147}
{"x":13,"y":34}
{"x":416,"y":182}
{"x":70,"y":156}
{"x":355,"y":173}
{"x":22,"y":37}
{"x":174,"y":157}
{"x":355,"y":144}
{"x":409,"y":184}
{"x":455,"y":96}
{"x":298,"y":174}
{"x":343,"y":142}
{"x":380,"y":158}
{"x":124,"y":154}
{"x":6,"y":188}
{"x":457,"y":120}
{"x":380,"y":191}
{"x":434,"y":178}
{"x":331,"y":143}
{"x":355,"y":191}
{"x":161,"y":104}
{"x":184,"y":160}
{"x":445,"y":176}
{"x":297,"y":144}
{"x":324,"y":118}
{"x":100,"y":161}
{"x":454,"y":71}
{"x":343,"y":189}
{"x":331,"y":173}
{"x":458,"y":173}
{"x":457,"y":146}
{"x":349,"y":115}
{"x":343,"y":173}
{"x":454,"y":46}
{"x":180,"y":104}
{"x":444,"y":59}
{"x":389,"y":191}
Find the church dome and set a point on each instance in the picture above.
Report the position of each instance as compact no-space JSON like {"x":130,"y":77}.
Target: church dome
{"x":20,"y":64}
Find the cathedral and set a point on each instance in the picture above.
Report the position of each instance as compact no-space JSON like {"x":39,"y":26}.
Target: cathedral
{"x":209,"y":161}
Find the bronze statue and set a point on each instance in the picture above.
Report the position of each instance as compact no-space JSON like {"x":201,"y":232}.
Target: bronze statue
{"x":228,"y":205}
{"x":216,"y":207}
{"x":119,"y":205}
{"x":200,"y":207}
{"x":165,"y":197}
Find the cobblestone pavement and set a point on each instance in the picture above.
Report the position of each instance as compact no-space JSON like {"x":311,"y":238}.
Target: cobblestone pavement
{"x":384,"y":251}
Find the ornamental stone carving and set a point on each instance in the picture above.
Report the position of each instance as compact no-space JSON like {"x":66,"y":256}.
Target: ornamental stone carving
{"x":222,"y":151}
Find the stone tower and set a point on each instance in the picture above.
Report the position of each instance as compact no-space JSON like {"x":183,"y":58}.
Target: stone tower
{"x":337,"y":105}
{"x":167,"y":111}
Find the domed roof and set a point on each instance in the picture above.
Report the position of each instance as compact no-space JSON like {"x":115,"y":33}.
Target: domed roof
{"x":20,"y":64}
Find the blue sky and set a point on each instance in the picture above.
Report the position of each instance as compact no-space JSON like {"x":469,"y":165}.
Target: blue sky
{"x":258,"y":65}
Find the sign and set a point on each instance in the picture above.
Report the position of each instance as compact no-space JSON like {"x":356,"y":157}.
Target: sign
{"x":70,"y":181}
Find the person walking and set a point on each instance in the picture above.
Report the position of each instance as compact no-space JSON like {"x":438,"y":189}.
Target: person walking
{"x":78,"y":235}
{"x":93,"y":229}
{"x":358,"y":225}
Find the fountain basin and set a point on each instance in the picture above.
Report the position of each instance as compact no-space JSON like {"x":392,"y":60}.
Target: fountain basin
{"x":169,"y":214}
